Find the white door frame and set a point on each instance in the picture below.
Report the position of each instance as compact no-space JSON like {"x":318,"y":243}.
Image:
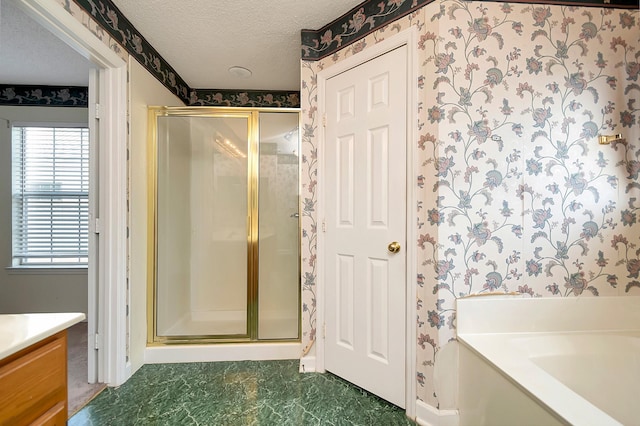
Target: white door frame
{"x":111,"y":291}
{"x":94,"y":236}
{"x":408,"y":38}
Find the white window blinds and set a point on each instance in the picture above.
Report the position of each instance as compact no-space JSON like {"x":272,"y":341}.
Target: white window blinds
{"x":50,"y":196}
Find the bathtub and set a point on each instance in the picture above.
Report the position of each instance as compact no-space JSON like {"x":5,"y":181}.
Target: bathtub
{"x":549,"y":361}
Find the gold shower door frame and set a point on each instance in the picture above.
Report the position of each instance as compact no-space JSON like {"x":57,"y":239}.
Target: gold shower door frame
{"x":253,"y":122}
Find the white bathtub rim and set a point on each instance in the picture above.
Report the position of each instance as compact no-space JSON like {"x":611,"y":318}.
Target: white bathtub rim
{"x":500,"y":314}
{"x":512,"y":362}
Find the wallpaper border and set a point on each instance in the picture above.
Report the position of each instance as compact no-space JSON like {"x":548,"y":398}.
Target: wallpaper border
{"x":244,"y":98}
{"x":35,"y":95}
{"x":372,"y":15}
{"x":112,"y":20}
{"x":354,"y":25}
{"x":106,"y":13}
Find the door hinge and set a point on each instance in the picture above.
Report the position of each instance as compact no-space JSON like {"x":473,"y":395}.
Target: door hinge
{"x":96,"y":341}
{"x":324,"y":120}
{"x":97,"y":226}
{"x":97,"y":111}
{"x":324,"y":226}
{"x":324,"y":330}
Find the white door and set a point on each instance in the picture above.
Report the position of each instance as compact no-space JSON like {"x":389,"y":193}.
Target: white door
{"x":365,"y":196}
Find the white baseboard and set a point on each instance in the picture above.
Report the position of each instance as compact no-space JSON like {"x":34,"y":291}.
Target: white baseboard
{"x":426,"y":415}
{"x":308,"y":364}
{"x":221,"y":352}
{"x":127,"y":371}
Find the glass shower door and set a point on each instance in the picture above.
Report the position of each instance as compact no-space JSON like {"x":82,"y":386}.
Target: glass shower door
{"x":278,"y":236}
{"x":202,"y":226}
{"x":224,"y":222}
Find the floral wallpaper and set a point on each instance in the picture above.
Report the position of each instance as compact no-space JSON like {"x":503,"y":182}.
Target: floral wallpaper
{"x":527,"y":200}
{"x":71,"y":96}
{"x":515,"y":194}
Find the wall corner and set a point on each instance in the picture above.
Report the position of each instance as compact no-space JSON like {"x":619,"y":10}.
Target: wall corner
{"x":426,"y":415}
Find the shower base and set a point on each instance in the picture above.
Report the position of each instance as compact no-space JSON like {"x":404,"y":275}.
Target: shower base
{"x":271,"y":325}
{"x":222,"y":352}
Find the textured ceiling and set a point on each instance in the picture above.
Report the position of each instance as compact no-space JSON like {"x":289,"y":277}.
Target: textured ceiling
{"x":30,"y":54}
{"x":201,"y":39}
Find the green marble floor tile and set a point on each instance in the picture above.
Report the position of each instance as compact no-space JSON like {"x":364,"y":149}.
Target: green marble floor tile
{"x":243,"y":393}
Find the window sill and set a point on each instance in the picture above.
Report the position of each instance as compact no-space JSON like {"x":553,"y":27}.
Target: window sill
{"x":45,"y":270}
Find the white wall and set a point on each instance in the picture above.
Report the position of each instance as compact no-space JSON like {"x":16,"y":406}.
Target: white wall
{"x":36,"y":291}
{"x":144,"y":90}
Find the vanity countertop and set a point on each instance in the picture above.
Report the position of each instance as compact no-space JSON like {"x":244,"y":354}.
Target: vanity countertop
{"x":18,"y":331}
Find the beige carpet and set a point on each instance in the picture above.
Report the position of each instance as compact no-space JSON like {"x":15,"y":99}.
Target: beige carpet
{"x":79,"y":392}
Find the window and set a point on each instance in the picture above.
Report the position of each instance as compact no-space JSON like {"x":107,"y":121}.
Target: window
{"x":50,"y":172}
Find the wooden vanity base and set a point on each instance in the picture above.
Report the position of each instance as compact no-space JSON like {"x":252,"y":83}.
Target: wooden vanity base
{"x":33,"y":384}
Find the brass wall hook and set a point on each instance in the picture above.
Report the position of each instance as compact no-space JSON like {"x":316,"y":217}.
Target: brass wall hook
{"x":607,"y":139}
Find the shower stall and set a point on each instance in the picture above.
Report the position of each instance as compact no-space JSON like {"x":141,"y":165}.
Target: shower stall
{"x":224,"y":225}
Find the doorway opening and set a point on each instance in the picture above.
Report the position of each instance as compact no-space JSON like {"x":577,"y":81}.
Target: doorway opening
{"x":106,"y":311}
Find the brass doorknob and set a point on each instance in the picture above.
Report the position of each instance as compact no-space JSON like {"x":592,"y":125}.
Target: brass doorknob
{"x":394,"y":247}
